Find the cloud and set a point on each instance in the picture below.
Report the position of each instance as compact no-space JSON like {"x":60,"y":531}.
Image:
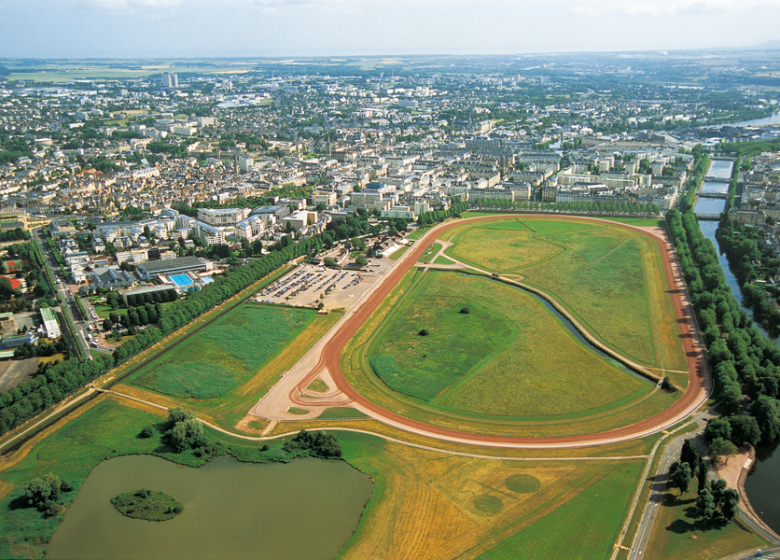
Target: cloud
{"x":672,"y":7}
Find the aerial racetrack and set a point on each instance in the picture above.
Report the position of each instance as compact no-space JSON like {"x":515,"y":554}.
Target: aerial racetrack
{"x":475,"y":351}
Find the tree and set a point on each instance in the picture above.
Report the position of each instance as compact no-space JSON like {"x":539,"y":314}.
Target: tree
{"x":680,"y":476}
{"x":729,"y":507}
{"x":744,"y":429}
{"x":690,"y":454}
{"x":717,"y":428}
{"x":112,"y":299}
{"x":361,"y":260}
{"x":767,"y":413}
{"x":185,"y":430}
{"x":705,"y":503}
{"x":107,"y":324}
{"x":147,"y":432}
{"x":6,"y":290}
{"x":330,"y":262}
{"x":702,"y":475}
{"x":42,"y":492}
{"x":720,"y":448}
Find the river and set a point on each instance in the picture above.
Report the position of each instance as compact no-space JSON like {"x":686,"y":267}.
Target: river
{"x":304,"y":510}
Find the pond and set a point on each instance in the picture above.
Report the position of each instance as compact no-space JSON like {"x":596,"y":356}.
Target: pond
{"x":304,"y":510}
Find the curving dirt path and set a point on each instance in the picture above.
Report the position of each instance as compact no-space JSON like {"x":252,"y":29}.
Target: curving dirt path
{"x":323,"y":360}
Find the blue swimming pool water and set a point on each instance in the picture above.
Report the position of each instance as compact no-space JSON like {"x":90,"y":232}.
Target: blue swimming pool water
{"x":181,"y":280}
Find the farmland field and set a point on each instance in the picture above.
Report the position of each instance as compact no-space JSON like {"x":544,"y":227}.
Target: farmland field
{"x":610,"y":278}
{"x":222,"y":356}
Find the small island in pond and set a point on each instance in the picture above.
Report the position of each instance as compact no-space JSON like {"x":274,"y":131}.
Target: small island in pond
{"x":151,"y":505}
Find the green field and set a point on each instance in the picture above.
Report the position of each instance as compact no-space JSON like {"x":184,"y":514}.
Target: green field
{"x":506,"y":357}
{"x":610,"y":278}
{"x":225,"y":354}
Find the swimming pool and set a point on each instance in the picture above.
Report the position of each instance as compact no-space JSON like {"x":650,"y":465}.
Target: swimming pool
{"x":181,"y":280}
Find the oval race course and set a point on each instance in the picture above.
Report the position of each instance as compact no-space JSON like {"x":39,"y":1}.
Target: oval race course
{"x":698,"y":389}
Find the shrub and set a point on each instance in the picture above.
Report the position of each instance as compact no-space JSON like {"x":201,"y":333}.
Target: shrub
{"x":424,"y":332}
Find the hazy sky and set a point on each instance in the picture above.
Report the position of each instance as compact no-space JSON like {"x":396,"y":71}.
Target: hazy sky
{"x":245,"y":28}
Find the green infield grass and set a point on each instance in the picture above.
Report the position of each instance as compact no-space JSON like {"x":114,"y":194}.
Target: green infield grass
{"x":492,"y":350}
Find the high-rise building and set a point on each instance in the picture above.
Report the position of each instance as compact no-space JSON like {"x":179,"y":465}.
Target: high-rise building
{"x":169,"y":80}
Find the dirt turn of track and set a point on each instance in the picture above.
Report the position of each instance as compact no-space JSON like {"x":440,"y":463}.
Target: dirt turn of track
{"x":698,"y":373}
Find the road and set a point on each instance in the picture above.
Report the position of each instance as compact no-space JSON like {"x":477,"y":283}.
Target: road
{"x":68,"y":304}
{"x":323,"y":360}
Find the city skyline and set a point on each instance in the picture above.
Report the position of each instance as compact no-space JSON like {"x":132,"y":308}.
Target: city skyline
{"x":257,"y":28}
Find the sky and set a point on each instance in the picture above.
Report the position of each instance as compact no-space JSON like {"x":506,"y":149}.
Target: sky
{"x":295,"y":28}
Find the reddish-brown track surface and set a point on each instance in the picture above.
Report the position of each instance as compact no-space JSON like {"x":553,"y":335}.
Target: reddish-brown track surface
{"x":698,"y":373}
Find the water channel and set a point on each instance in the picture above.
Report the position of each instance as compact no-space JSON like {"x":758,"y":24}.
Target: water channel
{"x":304,"y":510}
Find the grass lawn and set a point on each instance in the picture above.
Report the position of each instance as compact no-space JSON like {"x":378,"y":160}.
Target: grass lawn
{"x":435,"y":506}
{"x":225,"y":354}
{"x":399,"y":253}
{"x":429,"y":253}
{"x":442,"y":260}
{"x":507,"y":357}
{"x":318,"y":386}
{"x":610,"y":278}
{"x":230,"y":408}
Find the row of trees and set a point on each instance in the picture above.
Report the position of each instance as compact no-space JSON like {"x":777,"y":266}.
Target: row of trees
{"x":594,"y":207}
{"x":49,"y":387}
{"x":43,"y":348}
{"x":134,"y":300}
{"x":740,"y":358}
{"x":14,"y":234}
{"x":429,"y":218}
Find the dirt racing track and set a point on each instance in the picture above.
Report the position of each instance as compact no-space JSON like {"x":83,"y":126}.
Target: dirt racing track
{"x":323,"y":361}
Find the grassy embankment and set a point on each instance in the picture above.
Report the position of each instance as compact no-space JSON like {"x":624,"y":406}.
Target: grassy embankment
{"x":610,"y":278}
{"x":506,"y":367}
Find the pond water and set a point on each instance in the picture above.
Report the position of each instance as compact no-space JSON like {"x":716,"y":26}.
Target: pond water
{"x":709,"y":206}
{"x":304,"y":510}
{"x":720,"y":169}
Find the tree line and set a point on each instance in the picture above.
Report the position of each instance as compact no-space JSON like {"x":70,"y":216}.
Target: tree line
{"x":14,"y":234}
{"x":740,"y":359}
{"x":426,"y":219}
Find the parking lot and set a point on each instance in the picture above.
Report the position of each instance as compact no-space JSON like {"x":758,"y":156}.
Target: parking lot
{"x":308,"y":285}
